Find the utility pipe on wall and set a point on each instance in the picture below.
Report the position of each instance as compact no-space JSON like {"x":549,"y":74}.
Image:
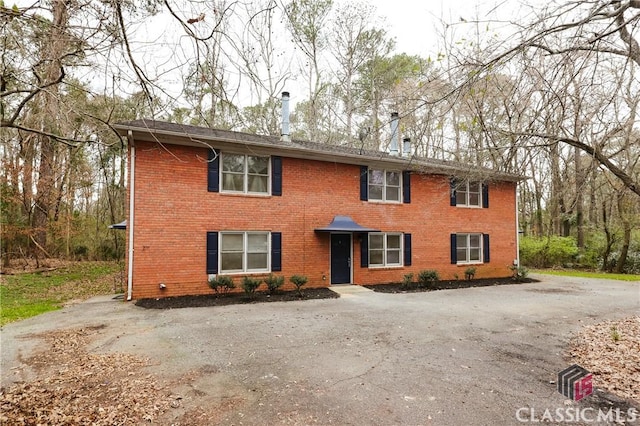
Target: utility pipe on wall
{"x":132,"y":168}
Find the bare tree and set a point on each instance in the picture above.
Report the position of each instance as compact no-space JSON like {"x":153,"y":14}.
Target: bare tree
{"x":307,"y":23}
{"x":592,"y":36}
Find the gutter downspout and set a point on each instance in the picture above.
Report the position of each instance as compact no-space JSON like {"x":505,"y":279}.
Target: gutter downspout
{"x":517,"y":227}
{"x":132,"y":168}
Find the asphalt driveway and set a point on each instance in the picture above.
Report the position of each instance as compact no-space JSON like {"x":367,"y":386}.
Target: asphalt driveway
{"x":470,"y":356}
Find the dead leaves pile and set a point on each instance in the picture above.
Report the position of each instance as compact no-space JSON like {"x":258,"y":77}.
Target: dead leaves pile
{"x":80,"y":388}
{"x":611,"y":351}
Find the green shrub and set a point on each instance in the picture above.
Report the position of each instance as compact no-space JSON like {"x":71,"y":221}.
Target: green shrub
{"x":221,"y":283}
{"x":615,"y":334}
{"x":427,"y":278}
{"x":407,"y":281}
{"x":520,"y":273}
{"x":274,"y":282}
{"x":548,"y":252}
{"x":250,"y":285}
{"x":298,"y":281}
{"x":469,"y":273}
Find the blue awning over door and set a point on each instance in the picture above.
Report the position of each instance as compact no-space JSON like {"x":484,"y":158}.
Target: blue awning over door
{"x":345,"y":224}
{"x":121,"y":225}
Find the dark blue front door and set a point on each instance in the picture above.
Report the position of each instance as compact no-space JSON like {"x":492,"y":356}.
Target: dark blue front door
{"x":340,"y":258}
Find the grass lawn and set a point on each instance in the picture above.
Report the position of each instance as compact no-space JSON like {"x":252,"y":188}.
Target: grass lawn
{"x":586,"y":274}
{"x":28,"y":294}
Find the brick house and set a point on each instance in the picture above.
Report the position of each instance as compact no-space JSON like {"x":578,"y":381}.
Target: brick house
{"x":205,"y":201}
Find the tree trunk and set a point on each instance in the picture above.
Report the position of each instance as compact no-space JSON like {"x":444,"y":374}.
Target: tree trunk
{"x":610,"y":238}
{"x":626,"y":235}
{"x":45,"y":199}
{"x":580,"y":185}
{"x":624,"y":252}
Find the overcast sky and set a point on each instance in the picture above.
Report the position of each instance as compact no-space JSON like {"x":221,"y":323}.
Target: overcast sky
{"x":162,"y":46}
{"x":417,"y":25}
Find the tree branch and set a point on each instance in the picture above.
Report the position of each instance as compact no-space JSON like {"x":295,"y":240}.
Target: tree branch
{"x":626,"y":179}
{"x":21,"y":105}
{"x":67,"y":141}
{"x":139,"y":72}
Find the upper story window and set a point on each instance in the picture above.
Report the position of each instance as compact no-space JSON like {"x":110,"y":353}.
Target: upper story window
{"x":247,"y":174}
{"x":385,"y":185}
{"x":385,"y":249}
{"x":469,"y":194}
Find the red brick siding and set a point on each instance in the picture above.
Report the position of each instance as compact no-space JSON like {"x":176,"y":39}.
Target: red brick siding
{"x":174,"y":211}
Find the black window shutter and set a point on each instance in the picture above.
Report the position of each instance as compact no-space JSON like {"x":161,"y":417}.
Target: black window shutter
{"x":452,"y":191}
{"x":213,"y":172}
{"x":364,"y":183}
{"x":212,"y":252}
{"x":406,"y":187}
{"x":485,"y":195}
{"x":407,"y":249}
{"x":454,"y":249}
{"x":364,"y":251}
{"x":276,"y":251}
{"x":485,"y":248}
{"x":276,"y":175}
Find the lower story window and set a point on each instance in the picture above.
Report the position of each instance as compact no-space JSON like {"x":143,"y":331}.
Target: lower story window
{"x":385,"y":249}
{"x":244,"y":252}
{"x":469,"y":248}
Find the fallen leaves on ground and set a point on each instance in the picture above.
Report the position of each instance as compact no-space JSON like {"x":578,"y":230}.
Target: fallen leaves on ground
{"x":610,"y":350}
{"x":77,"y":387}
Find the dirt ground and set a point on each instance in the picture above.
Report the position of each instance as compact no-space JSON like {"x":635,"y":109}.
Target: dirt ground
{"x":324,"y":361}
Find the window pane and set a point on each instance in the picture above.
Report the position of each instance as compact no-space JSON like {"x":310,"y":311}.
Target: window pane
{"x":474,"y":255}
{"x":393,"y":241}
{"x":461,"y":197}
{"x":233,"y":163}
{"x":257,"y":243}
{"x":474,"y":199}
{"x":461,"y":255}
{"x":375,"y":192}
{"x":393,"y":257}
{"x":393,"y":194}
{"x":474,"y":240}
{"x":232,"y":242}
{"x":375,"y":257}
{"x":258,"y":165}
{"x":461,"y":240}
{"x":393,"y":178}
{"x":375,"y":241}
{"x":232,"y":182}
{"x":256,"y":261}
{"x":231,"y":262}
{"x":474,"y":187}
{"x":376,"y":177}
{"x":257,"y":184}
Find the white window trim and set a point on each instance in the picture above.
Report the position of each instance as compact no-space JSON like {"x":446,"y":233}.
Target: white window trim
{"x":244,"y":252}
{"x":466,"y":191}
{"x":471,"y":262}
{"x":385,"y":264}
{"x":245,"y":181}
{"x":384,"y":187}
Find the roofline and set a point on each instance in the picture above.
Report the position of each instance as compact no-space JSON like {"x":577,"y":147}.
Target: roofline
{"x":185,"y":138}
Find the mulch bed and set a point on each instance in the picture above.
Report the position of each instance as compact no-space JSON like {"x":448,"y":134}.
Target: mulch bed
{"x":309,"y":294}
{"x":447,"y":285}
{"x":234,"y":299}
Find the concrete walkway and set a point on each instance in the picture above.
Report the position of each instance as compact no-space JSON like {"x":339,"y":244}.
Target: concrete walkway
{"x":346,"y":290}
